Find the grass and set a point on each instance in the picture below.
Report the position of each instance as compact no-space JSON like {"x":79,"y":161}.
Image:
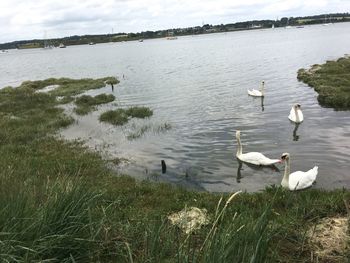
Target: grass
{"x":59,"y":202}
{"x":332,"y":82}
{"x":121,"y":116}
{"x":139,"y":112}
{"x":115,"y":117}
{"x":86,"y":103}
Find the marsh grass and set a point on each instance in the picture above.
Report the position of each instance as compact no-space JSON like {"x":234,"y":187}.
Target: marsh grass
{"x":121,"y":116}
{"x":139,"y":112}
{"x":60,"y":203}
{"x":115,"y":117}
{"x":332,"y":82}
{"x":86,"y":103}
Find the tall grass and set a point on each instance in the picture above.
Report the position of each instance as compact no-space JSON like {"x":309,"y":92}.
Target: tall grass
{"x":48,"y":221}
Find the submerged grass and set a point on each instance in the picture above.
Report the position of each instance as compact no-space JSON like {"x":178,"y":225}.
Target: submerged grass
{"x":138,"y":132}
{"x":60,"y":203}
{"x":332,"y":82}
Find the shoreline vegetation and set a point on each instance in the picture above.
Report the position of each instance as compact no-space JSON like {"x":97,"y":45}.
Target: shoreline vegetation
{"x":175,"y":32}
{"x":331,"y":81}
{"x":60,"y":202}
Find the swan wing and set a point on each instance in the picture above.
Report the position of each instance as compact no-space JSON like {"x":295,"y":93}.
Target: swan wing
{"x":291,"y":115}
{"x":257,"y":159}
{"x":255,"y":93}
{"x":301,"y":180}
{"x":301,"y":115}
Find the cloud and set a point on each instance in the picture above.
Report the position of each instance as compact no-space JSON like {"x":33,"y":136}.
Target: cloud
{"x":26,"y":19}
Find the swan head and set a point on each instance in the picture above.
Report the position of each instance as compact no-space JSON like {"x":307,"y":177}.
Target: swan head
{"x":297,"y":106}
{"x":285,"y":156}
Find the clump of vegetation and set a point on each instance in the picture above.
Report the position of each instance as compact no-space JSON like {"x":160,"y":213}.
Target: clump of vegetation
{"x":115,"y":117}
{"x":59,"y":202}
{"x":121,"y":116}
{"x":139,"y":112}
{"x":87,"y":103}
{"x":332,"y":82}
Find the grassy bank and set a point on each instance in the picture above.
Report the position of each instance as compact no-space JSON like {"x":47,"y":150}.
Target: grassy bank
{"x":331,"y":81}
{"x":59,"y":202}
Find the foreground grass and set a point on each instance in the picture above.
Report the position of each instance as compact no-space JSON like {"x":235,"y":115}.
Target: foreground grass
{"x":332,"y":81}
{"x":60,"y":203}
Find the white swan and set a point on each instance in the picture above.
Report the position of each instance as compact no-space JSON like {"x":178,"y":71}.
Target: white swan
{"x":252,"y":157}
{"x":297,"y":180}
{"x":296,"y":115}
{"x":257,"y":93}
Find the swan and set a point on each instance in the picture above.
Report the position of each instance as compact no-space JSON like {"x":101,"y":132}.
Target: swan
{"x":252,"y":157}
{"x":257,"y":93}
{"x":296,"y":115}
{"x":297,"y":180}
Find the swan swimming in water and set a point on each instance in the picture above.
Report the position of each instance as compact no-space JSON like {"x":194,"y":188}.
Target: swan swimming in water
{"x":296,"y":115}
{"x":297,"y":180}
{"x":257,"y":93}
{"x":252,"y":157}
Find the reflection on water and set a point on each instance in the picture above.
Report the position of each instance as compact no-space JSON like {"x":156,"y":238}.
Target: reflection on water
{"x":295,"y":136}
{"x":199,"y":86}
{"x":239,"y":174}
{"x":271,"y":169}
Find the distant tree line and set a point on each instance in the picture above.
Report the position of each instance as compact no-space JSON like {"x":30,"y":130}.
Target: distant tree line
{"x":204,"y":29}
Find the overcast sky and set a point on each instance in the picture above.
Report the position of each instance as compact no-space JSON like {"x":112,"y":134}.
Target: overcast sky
{"x":28,"y":19}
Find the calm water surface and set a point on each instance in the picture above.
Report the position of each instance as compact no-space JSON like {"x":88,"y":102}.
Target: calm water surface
{"x":198,"y":85}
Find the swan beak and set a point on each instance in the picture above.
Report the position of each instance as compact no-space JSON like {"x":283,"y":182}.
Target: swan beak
{"x":280,"y":161}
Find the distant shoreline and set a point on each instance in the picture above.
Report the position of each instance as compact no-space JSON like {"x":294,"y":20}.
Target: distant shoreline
{"x":175,"y":32}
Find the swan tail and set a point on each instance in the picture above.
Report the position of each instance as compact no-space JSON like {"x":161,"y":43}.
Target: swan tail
{"x":314,"y":172}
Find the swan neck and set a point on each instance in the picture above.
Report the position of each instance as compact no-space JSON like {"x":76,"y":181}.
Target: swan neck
{"x":239,"y":148}
{"x":285,"y":180}
{"x":296,"y":115}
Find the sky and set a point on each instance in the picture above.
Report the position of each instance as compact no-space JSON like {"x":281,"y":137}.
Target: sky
{"x":30,"y":19}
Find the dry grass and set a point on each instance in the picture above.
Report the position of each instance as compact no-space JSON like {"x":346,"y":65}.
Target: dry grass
{"x":189,"y":219}
{"x":329,"y":239}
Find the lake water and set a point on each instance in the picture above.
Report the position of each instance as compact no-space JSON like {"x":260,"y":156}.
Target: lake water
{"x":198,"y":85}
